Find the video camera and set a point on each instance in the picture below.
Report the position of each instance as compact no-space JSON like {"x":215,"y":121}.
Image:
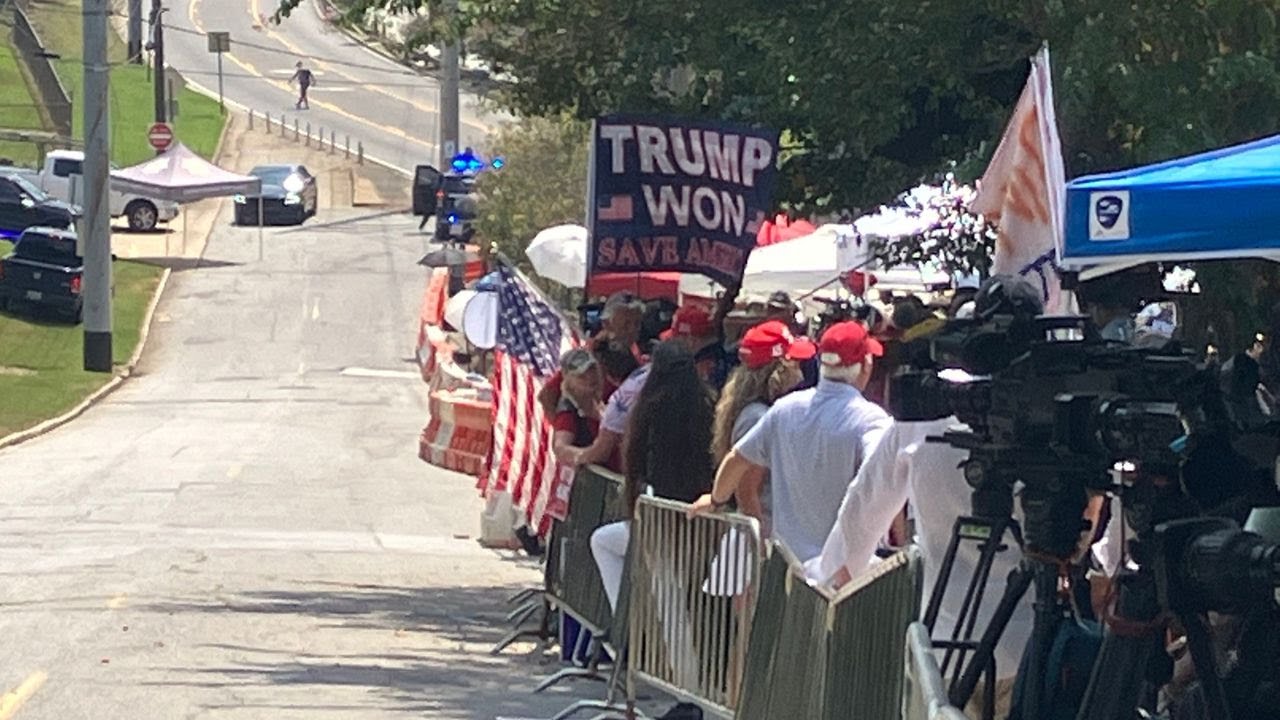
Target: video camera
{"x":1049,"y":404}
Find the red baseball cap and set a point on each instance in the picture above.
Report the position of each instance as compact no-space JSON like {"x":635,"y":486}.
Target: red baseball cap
{"x":771,"y":340}
{"x":690,"y":321}
{"x":848,"y":343}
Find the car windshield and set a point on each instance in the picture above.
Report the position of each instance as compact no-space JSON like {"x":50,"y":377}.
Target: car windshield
{"x":455,"y":185}
{"x":27,"y":187}
{"x":37,"y":246}
{"x":272,"y":175}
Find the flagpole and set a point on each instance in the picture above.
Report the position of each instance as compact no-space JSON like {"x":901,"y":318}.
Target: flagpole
{"x":591,"y":204}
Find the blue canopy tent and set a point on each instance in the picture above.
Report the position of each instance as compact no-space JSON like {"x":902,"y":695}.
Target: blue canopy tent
{"x":1219,"y":204}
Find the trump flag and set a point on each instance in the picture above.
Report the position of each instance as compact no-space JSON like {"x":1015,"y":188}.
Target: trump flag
{"x":1024,"y":191}
{"x":669,"y":194}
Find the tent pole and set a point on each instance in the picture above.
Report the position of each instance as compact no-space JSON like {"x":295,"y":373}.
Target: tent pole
{"x":259,"y":225}
{"x":184,"y":234}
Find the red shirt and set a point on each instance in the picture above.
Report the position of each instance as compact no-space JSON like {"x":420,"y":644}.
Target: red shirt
{"x":567,"y":421}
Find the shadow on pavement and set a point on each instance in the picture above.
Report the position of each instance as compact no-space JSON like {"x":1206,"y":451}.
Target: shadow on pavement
{"x":180,"y":264}
{"x":427,"y":651}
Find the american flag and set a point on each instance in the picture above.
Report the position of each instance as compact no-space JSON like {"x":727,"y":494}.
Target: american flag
{"x":532,"y":334}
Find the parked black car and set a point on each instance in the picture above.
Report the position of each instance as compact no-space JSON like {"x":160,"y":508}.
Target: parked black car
{"x":43,"y":271}
{"x":289,"y":195}
{"x":23,"y":205}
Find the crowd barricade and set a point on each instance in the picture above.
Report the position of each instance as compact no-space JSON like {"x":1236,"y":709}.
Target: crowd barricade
{"x":693,"y":586}
{"x":459,"y":430}
{"x":571,"y":581}
{"x":924,"y":694}
{"x":821,"y":655}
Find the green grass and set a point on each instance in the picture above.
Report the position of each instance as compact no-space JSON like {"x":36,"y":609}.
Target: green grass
{"x":40,"y":362}
{"x":18,"y":109}
{"x":199,"y":122}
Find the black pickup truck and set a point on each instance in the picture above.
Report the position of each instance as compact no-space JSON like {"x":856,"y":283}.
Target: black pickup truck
{"x":43,"y":271}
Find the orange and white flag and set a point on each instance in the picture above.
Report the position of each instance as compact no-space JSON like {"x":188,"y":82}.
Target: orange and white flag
{"x":1024,"y":191}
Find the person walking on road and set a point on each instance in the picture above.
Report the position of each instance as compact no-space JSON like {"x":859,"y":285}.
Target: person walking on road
{"x":305,"y":79}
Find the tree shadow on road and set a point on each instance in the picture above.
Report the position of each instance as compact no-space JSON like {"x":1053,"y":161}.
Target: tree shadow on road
{"x":427,"y":650}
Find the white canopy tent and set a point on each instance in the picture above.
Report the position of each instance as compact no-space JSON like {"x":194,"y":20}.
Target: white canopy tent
{"x":802,"y":265}
{"x":179,"y":175}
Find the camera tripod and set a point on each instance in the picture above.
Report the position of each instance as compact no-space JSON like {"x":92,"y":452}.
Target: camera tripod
{"x":992,"y":519}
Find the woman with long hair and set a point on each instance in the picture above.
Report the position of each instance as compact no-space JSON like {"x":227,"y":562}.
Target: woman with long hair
{"x":770,"y":357}
{"x":667,"y":449}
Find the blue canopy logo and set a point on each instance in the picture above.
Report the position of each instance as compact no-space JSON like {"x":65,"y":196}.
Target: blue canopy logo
{"x":1108,"y":210}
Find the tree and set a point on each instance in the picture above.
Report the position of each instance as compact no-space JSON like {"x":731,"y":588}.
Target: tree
{"x":542,"y":183}
{"x":873,"y":96}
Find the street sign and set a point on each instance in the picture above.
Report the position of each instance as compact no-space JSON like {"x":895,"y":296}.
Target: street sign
{"x":219,"y":42}
{"x":160,"y":136}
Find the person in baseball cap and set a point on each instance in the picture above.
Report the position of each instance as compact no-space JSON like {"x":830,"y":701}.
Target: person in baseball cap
{"x":846,"y":351}
{"x":769,"y":357}
{"x":809,"y":444}
{"x":772,"y":340}
{"x":690,"y":321}
{"x":693,"y":326}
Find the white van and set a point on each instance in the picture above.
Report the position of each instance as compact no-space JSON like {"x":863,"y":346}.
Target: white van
{"x":55,"y":178}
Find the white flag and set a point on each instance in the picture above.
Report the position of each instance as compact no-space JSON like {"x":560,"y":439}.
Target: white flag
{"x":1024,"y":191}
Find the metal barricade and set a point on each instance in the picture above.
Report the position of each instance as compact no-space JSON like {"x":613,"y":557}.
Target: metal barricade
{"x":924,"y":694}
{"x":819,"y":655}
{"x":571,"y":581}
{"x":693,"y":585}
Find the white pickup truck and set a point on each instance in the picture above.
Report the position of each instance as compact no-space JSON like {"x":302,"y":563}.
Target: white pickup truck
{"x":55,"y":178}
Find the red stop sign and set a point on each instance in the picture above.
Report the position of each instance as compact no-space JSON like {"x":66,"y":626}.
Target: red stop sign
{"x":160,"y":135}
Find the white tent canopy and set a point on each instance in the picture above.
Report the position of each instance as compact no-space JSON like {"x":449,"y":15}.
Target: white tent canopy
{"x":804,"y":264}
{"x":179,"y":175}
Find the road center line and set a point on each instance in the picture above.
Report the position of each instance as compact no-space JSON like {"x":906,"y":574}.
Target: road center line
{"x":249,"y":68}
{"x":12,"y":701}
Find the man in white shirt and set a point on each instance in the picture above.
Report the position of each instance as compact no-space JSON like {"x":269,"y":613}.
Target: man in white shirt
{"x":905,"y":466}
{"x":811,"y":444}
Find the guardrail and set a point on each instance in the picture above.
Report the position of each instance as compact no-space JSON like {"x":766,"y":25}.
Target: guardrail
{"x":693,"y":592}
{"x":809,"y":648}
{"x":53,"y":94}
{"x":302,"y":133}
{"x":924,"y":694}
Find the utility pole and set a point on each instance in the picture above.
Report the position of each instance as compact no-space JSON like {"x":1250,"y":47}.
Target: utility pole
{"x":449,"y":90}
{"x":157,"y":50}
{"x":97,"y":212}
{"x":135,"y":32}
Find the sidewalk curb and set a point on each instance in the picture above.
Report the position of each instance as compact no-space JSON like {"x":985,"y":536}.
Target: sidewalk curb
{"x":112,"y":385}
{"x":125,"y":372}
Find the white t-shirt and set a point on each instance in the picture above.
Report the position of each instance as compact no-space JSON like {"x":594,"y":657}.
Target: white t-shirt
{"x":906,"y":467}
{"x":618,"y":409}
{"x":812,"y":442}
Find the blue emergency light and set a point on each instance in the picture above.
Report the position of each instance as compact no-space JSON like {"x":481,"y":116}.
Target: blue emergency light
{"x":468,"y":162}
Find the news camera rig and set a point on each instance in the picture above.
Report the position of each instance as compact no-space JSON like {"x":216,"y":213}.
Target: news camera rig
{"x":1052,"y":408}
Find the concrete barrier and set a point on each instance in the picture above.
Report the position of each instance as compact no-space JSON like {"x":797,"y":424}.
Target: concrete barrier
{"x":458,"y":434}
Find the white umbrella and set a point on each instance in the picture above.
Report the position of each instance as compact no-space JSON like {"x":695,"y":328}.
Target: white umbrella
{"x":560,"y":253}
{"x":456,"y":306}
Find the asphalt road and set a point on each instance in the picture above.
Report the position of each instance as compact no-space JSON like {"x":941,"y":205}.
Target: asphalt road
{"x":359,"y":93}
{"x":243,"y":530}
